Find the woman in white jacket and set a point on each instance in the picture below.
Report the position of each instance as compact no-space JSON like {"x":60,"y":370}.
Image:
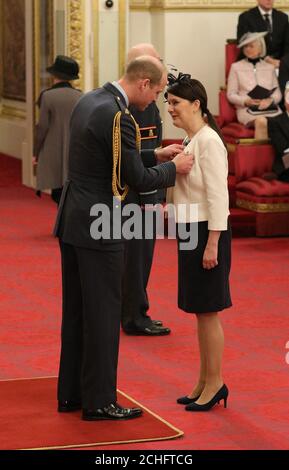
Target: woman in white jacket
{"x":244,"y":76}
{"x":203,"y":277}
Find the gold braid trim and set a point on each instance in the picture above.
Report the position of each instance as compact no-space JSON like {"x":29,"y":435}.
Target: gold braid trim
{"x":118,"y":190}
{"x":137,"y":134}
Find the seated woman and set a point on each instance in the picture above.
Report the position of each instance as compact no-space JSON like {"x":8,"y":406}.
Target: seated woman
{"x":244,"y":76}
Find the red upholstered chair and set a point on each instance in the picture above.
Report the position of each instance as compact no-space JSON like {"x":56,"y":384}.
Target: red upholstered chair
{"x":253,"y":160}
{"x":231,"y":55}
{"x":269,"y":200}
{"x":232,"y":130}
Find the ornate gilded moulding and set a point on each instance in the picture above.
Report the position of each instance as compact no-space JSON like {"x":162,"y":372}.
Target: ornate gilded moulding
{"x":200,"y":5}
{"x":75,"y":36}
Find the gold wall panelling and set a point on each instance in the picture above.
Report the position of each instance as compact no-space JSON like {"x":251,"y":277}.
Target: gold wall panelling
{"x":121,"y":36}
{"x":12,"y":112}
{"x":95,"y":28}
{"x":43,"y":47}
{"x":75,"y":36}
{"x":140,"y":4}
{"x":36,"y":56}
{"x":200,"y":5}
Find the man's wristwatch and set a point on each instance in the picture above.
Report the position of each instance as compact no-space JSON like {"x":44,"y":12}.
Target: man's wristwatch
{"x":156,"y":150}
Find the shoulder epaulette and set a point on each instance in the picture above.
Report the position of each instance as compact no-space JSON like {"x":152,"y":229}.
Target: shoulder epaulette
{"x":119,"y":102}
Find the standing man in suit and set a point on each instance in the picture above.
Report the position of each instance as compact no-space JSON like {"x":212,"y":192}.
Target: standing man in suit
{"x":139,"y":252}
{"x":278,"y":129}
{"x":266,"y":18}
{"x":104,"y":161}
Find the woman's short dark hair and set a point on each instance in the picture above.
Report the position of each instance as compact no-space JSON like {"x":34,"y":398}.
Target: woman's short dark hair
{"x":187,"y":88}
{"x":191,"y":89}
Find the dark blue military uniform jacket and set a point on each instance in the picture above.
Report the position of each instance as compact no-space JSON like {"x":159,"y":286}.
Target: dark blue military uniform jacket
{"x":90,"y":166}
{"x":150,"y":125}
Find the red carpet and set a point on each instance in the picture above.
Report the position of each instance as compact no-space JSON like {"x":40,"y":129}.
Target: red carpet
{"x":29,"y":420}
{"x":10,"y":171}
{"x":154,"y":371}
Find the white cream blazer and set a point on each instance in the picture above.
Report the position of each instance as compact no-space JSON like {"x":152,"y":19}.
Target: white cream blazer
{"x":205,"y":187}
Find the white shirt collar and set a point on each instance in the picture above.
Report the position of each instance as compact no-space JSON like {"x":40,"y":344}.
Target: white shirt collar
{"x":263,"y":12}
{"x":121,"y":90}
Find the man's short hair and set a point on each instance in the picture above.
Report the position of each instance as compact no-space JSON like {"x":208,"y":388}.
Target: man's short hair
{"x":145,"y":67}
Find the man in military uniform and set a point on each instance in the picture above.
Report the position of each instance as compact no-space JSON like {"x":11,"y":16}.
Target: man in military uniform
{"x":103,"y":161}
{"x":139,"y":252}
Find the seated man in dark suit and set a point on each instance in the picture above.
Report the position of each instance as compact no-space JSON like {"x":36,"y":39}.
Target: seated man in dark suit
{"x":278,"y":129}
{"x":283,"y":76}
{"x":266,"y":18}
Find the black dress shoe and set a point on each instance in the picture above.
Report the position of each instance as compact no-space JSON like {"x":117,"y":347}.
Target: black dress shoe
{"x":157,"y":322}
{"x":67,"y":406}
{"x":186,"y":400}
{"x":112,"y":411}
{"x":149,"y":331}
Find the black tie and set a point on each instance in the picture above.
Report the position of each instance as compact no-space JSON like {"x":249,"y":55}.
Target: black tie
{"x":268,"y":23}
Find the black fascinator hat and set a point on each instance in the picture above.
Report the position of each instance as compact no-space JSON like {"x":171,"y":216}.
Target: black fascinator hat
{"x":181,"y":78}
{"x":188,"y":88}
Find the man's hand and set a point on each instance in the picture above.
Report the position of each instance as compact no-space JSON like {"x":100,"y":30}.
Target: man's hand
{"x":168,"y":153}
{"x":184,"y":162}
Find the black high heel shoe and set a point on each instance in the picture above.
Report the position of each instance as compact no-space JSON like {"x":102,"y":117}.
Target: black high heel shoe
{"x":186,"y":400}
{"x":221,"y":394}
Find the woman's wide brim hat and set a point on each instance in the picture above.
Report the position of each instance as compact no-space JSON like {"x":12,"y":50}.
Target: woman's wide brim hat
{"x":250,"y":37}
{"x":64,"y":68}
